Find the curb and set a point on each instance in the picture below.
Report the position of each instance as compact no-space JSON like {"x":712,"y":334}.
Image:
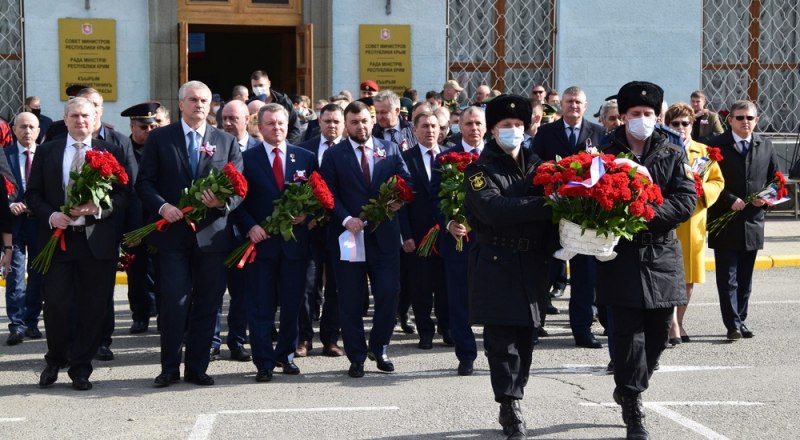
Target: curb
{"x":766,"y":262}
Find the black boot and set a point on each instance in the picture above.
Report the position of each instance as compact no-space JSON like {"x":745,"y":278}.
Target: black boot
{"x":511,"y":420}
{"x":633,"y":416}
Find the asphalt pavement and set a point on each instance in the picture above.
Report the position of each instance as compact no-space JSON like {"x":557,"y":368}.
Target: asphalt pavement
{"x":706,"y":389}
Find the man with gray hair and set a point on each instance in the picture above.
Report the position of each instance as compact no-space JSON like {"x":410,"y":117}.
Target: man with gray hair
{"x":80,"y":281}
{"x":191,"y":263}
{"x":390,"y":126}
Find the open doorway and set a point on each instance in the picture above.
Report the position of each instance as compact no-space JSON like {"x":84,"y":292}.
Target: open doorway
{"x":225,"y":56}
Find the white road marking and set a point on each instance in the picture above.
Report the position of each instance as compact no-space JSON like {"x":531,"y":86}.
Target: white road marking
{"x":716,"y":304}
{"x":205,"y":422}
{"x":11,"y":419}
{"x":661,"y":409}
{"x":600,"y":370}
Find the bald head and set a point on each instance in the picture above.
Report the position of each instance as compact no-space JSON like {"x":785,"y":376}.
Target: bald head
{"x":234,"y":119}
{"x":255,"y":105}
{"x":26,"y":129}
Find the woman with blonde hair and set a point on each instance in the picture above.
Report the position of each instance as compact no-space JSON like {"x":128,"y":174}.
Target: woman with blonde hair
{"x":692,"y":233}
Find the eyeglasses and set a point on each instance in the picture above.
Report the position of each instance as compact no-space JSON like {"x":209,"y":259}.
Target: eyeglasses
{"x":677,"y":124}
{"x":742,"y":117}
{"x":538,"y":91}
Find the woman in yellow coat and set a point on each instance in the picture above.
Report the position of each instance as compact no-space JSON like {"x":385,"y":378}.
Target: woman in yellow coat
{"x":692,"y":233}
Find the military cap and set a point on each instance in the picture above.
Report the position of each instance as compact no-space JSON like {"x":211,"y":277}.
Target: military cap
{"x":452,"y":84}
{"x":508,"y":106}
{"x":597,"y":115}
{"x":369,"y":86}
{"x":405,"y":105}
{"x":549,"y":109}
{"x":144,"y":112}
{"x":637,"y":93}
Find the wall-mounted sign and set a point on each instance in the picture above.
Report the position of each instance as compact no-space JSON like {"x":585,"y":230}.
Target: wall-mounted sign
{"x":88,"y":55}
{"x":386,"y":55}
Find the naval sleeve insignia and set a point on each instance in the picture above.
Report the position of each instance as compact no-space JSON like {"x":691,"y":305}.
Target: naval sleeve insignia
{"x":478,"y":182}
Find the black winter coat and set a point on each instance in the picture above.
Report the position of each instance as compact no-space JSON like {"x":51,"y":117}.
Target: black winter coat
{"x":743,"y":176}
{"x":514,"y":238}
{"x":650,"y":276}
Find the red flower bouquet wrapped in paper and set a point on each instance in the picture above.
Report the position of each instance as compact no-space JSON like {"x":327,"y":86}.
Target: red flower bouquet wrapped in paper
{"x":300,"y":197}
{"x":451,"y":197}
{"x":224,"y":184}
{"x":773,"y":193}
{"x":378,"y":210}
{"x":701,"y":166}
{"x":93,"y":183}
{"x":599,"y":197}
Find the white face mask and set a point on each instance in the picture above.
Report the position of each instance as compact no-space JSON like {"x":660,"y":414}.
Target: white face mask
{"x":641,"y":128}
{"x":455,"y":128}
{"x":259,"y":91}
{"x":510,"y":138}
{"x":214,"y":109}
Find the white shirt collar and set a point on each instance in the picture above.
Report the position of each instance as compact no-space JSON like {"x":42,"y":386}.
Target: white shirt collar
{"x":322,"y":141}
{"x":22,"y":148}
{"x":738,"y":140}
{"x":424,"y":150}
{"x":200,"y":130}
{"x":468,"y":147}
{"x":369,"y":143}
{"x":270,"y":147}
{"x":72,"y":141}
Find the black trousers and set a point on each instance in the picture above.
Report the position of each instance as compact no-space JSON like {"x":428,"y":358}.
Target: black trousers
{"x":639,"y":337}
{"x":76,"y":278}
{"x":510,"y":352}
{"x":426,"y":283}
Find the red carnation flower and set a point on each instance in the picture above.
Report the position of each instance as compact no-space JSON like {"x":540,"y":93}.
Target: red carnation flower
{"x":321,"y":191}
{"x":714,"y":154}
{"x":404,"y":191}
{"x":238,"y":181}
{"x":9,"y":187}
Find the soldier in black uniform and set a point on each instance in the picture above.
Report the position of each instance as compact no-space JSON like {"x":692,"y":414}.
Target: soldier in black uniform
{"x":143,"y":120}
{"x":645,"y":281}
{"x":508,"y":263}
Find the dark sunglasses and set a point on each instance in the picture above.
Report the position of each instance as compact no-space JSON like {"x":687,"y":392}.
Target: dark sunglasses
{"x":742,"y":118}
{"x":677,"y":124}
{"x":538,"y":91}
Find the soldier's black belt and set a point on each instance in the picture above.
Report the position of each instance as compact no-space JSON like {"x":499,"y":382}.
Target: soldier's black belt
{"x":76,"y":228}
{"x":520,"y":244}
{"x":647,"y":238}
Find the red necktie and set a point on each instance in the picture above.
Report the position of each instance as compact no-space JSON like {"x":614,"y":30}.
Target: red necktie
{"x":277,"y":168}
{"x":27,"y":165}
{"x":365,"y":165}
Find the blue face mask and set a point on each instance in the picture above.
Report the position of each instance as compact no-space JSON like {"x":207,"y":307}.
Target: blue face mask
{"x":455,"y":129}
{"x":510,"y":138}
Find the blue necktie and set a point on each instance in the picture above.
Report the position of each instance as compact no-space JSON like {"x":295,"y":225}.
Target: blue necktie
{"x":744,"y":148}
{"x":573,"y":140}
{"x":192,"y":150}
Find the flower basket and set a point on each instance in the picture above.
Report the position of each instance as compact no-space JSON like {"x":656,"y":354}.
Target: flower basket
{"x":587,"y":242}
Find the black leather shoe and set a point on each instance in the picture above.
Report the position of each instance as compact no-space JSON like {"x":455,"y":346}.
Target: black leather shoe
{"x":542,"y":332}
{"x":15,"y":338}
{"x":289,"y":367}
{"x":511,"y":420}
{"x":425,"y":342}
{"x":48,"y":376}
{"x":746,"y":333}
{"x":557,"y":292}
{"x":214,"y":354}
{"x":590,"y":342}
{"x":734,"y":335}
{"x":406,"y":327}
{"x":465,"y":368}
{"x":674,"y":341}
{"x":610,"y":367}
{"x":201,"y":379}
{"x":81,"y":384}
{"x":382,"y":362}
{"x":264,"y":376}
{"x":552,"y":310}
{"x":104,"y":354}
{"x":166,"y":379}
{"x":240,"y":354}
{"x":139,"y":327}
{"x":356,"y":370}
{"x":33,"y":333}
{"x":447,"y":338}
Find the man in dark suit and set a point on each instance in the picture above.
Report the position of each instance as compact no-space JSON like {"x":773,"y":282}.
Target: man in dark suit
{"x":425,"y":276}
{"x":472,"y":126}
{"x":331,"y":122}
{"x":23,"y":303}
{"x":390,"y":126}
{"x":569,"y":135}
{"x":354,"y":170}
{"x":749,"y":164}
{"x":34,"y":105}
{"x":234,"y":118}
{"x":82,"y":275}
{"x":191,"y":270}
{"x":276,"y":277}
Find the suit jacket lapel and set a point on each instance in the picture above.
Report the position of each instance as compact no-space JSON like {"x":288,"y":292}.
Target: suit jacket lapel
{"x":204,"y":158}
{"x":180,"y":145}
{"x":355,"y":167}
{"x":263,"y":161}
{"x":418,"y":163}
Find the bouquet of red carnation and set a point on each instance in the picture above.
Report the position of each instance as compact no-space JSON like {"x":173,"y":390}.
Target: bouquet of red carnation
{"x":608,"y":195}
{"x":451,"y":197}
{"x":10,"y":188}
{"x":93,"y":183}
{"x":376,"y":211}
{"x":303,"y":196}
{"x":773,"y":193}
{"x":225,"y":184}
{"x":701,"y":166}
{"x":124,"y":261}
